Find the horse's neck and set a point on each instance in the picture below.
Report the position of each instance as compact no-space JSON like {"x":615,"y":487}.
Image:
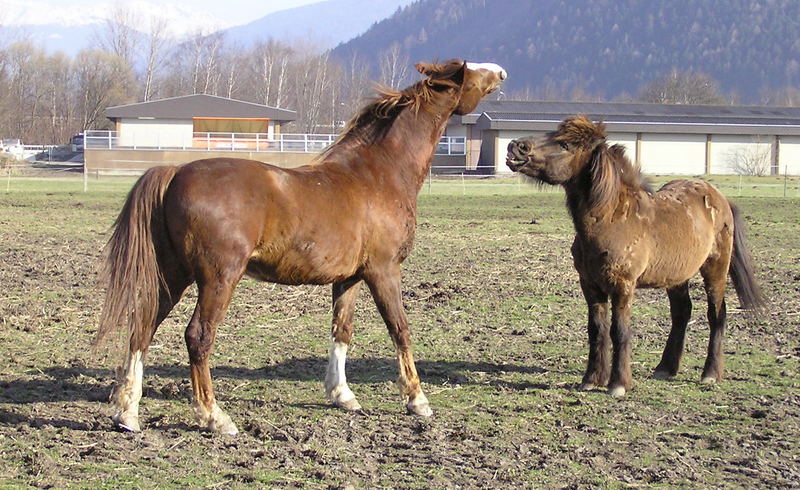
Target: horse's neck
{"x":412,"y":140}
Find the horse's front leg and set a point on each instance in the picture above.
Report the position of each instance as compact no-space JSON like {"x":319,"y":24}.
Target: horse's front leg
{"x":599,"y":338}
{"x":344,"y":298}
{"x":384,"y":284}
{"x":621,"y":380}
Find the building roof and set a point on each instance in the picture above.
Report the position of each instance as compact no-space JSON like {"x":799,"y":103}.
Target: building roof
{"x":199,"y":105}
{"x":535,"y":115}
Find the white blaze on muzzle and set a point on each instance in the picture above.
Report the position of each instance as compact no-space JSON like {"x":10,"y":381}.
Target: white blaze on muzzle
{"x":488,"y":66}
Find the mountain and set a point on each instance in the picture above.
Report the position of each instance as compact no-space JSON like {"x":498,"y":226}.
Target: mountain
{"x":325,"y":23}
{"x":604,"y":47}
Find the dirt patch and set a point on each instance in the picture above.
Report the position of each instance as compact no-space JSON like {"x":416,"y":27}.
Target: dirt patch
{"x":498,"y":326}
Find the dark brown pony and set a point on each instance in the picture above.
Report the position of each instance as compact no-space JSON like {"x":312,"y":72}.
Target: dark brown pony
{"x":628,"y":237}
{"x":347,"y":219}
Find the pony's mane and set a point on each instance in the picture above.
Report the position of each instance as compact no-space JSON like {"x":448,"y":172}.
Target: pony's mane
{"x":371,"y":123}
{"x":610,"y":171}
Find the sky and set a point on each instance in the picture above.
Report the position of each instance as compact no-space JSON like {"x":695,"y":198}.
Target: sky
{"x":185,"y":15}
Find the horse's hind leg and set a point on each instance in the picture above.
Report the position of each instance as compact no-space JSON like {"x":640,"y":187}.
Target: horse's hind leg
{"x":680,"y":309}
{"x":715,"y":278}
{"x":597,"y":366}
{"x":344,"y":298}
{"x":214,"y":297}
{"x":128,"y":391}
{"x":384,"y":285}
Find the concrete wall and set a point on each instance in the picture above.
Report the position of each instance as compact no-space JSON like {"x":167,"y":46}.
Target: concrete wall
{"x":682,"y":154}
{"x":725,"y":149}
{"x":155,"y":133}
{"x":110,"y":161}
{"x":789,"y":155}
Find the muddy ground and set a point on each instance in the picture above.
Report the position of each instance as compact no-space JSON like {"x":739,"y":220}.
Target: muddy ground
{"x":498,"y":326}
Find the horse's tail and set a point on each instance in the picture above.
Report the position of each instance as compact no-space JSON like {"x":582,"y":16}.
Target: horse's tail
{"x":741,"y":268}
{"x":130,"y":270}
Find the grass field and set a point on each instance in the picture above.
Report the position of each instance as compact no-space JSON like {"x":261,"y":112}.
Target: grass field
{"x":498,"y":326}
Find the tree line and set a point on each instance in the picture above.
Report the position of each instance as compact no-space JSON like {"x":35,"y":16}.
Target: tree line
{"x":46,"y":98}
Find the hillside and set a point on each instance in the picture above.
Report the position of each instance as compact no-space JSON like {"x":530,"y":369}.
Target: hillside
{"x":325,"y":23}
{"x":603,"y":47}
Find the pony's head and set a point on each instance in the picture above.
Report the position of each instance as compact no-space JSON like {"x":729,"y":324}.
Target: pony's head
{"x":558,"y":156}
{"x":470,"y":81}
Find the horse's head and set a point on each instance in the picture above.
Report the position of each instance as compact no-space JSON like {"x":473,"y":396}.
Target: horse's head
{"x":558,"y":156}
{"x":469,"y":81}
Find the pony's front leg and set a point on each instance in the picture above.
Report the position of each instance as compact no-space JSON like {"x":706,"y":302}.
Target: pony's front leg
{"x":599,"y":339}
{"x":128,"y":392}
{"x":344,"y":298}
{"x":621,"y":380}
{"x":384,"y":284}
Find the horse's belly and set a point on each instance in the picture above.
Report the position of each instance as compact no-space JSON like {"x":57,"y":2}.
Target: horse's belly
{"x":301,"y":267}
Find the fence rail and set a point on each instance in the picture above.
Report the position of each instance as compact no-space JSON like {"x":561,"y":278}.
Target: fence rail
{"x":70,"y":177}
{"x":250,"y":142}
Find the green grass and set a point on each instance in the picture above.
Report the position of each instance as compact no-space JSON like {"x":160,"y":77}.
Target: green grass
{"x":498,"y":329}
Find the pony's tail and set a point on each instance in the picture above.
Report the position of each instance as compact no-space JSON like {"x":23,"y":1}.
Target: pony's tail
{"x":130,"y":270}
{"x":741,"y":268}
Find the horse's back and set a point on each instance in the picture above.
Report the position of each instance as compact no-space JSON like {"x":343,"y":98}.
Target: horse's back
{"x":291,"y":226}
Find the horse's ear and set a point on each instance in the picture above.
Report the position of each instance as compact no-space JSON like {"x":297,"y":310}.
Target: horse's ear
{"x":425,"y":68}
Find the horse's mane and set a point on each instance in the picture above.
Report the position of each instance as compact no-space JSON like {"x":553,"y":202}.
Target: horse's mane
{"x":609,"y":169}
{"x":371,"y":123}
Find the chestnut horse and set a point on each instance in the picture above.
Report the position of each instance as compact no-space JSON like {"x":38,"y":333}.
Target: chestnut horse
{"x":629,"y":237}
{"x":346,"y":219}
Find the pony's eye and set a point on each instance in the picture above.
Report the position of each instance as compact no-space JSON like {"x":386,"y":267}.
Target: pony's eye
{"x":564,"y":146}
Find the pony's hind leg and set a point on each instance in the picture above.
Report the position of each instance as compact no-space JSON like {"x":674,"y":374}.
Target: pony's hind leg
{"x":680,"y":309}
{"x":385,"y":288}
{"x":214,"y":297}
{"x":127,"y":392}
{"x":715,"y":278}
{"x":597,"y":366}
{"x":344,"y":298}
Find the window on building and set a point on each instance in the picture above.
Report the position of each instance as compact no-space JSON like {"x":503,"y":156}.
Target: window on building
{"x":221,"y":125}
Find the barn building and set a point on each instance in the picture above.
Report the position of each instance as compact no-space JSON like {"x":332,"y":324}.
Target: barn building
{"x":182,"y":129}
{"x":662,"y":139}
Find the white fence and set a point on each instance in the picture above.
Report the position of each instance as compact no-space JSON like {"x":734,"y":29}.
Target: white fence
{"x":259,"y":142}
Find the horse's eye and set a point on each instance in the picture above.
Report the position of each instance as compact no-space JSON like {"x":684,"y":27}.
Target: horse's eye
{"x":564,"y":146}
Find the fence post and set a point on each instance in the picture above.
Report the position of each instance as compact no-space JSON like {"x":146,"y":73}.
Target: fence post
{"x":785,"y":178}
{"x":430,"y":180}
{"x":85,"y":176}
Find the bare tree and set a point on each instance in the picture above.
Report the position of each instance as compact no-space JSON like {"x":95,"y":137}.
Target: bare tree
{"x":355,"y":86}
{"x":103,"y":80}
{"x":749,"y":160}
{"x":270,"y":71}
{"x":394,"y":66}
{"x":156,"y":51}
{"x":314,"y":76}
{"x":683,"y":87}
{"x":784,"y":97}
{"x":118,"y":34}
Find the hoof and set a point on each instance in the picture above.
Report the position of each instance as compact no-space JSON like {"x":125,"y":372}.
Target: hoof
{"x":126,"y":422}
{"x":351,"y":405}
{"x":708,"y":380}
{"x":222,"y":424}
{"x":662,"y":375}
{"x":617,"y":391}
{"x":587,"y":386}
{"x":419,"y":406}
{"x":228,"y":428}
